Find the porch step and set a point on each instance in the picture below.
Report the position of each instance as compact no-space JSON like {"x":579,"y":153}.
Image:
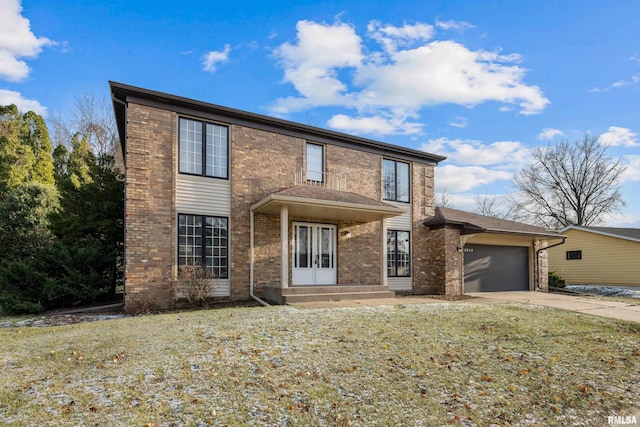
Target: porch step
{"x":332,"y":289}
{"x":339,"y":296}
{"x":297,"y":294}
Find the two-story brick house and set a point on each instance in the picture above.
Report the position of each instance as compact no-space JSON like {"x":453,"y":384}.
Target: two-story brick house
{"x":275,"y":209}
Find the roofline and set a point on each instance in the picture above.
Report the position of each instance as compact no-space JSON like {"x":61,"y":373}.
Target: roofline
{"x":590,"y":230}
{"x":469,"y":228}
{"x":120,"y":92}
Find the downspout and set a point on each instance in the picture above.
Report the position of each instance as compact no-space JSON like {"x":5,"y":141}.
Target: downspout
{"x":264,"y":303}
{"x":538,"y":259}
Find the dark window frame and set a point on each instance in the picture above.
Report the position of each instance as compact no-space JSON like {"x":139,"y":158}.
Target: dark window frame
{"x":574,"y":255}
{"x":203,"y":132}
{"x":397,"y":254}
{"x":203,"y":245}
{"x":396,"y":181}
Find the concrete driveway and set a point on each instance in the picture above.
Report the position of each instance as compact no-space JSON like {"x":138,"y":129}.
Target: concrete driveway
{"x":595,"y":306}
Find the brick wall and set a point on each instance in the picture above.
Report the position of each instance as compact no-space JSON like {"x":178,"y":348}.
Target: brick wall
{"x":149,"y":207}
{"x":261,"y":163}
{"x":424,"y":278}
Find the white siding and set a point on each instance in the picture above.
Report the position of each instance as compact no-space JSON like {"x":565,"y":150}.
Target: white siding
{"x":203,"y":196}
{"x":400,"y":222}
{"x":400,"y":283}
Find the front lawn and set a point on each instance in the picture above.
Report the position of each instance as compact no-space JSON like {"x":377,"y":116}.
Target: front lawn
{"x":431,"y":365}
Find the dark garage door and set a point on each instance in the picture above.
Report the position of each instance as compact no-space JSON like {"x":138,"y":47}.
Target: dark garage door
{"x":496,"y":268}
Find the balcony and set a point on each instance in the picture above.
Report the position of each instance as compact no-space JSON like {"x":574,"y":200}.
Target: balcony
{"x":333,"y":181}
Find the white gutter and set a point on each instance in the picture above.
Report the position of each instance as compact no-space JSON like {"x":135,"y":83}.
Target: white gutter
{"x":266,"y":304}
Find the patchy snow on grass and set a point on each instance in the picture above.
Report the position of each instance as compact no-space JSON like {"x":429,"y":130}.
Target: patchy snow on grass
{"x":436,"y":364}
{"x":607,"y":291}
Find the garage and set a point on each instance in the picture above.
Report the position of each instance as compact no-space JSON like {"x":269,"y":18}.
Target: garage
{"x":489,"y":268}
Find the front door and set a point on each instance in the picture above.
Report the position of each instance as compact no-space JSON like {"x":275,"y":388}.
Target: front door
{"x":314,"y":254}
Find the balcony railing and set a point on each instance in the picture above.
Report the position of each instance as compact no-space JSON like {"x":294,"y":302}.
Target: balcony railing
{"x":334,"y":181}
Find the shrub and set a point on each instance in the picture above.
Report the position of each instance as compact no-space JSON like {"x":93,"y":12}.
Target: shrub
{"x":195,"y":282}
{"x":556,"y":280}
{"x":21,"y":288}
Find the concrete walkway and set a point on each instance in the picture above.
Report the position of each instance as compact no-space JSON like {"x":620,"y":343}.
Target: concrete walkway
{"x":595,"y":306}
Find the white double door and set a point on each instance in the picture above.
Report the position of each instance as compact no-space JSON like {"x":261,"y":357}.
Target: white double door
{"x":314,"y":254}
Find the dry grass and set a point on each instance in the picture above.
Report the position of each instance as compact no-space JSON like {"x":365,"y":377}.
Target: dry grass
{"x":431,"y":365}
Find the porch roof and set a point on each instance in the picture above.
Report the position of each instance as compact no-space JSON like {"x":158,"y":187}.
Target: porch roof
{"x":319,"y":202}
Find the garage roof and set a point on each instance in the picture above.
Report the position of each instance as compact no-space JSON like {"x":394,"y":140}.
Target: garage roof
{"x":471,"y":223}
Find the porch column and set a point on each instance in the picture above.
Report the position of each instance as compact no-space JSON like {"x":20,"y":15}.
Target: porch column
{"x":383,"y":261}
{"x":284,"y":246}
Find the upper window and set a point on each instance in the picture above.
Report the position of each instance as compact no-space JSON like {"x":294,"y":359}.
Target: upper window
{"x":574,"y":254}
{"x":204,"y":148}
{"x":395,"y":180}
{"x":202,"y":240}
{"x":315,"y":162}
{"x":398,"y":254}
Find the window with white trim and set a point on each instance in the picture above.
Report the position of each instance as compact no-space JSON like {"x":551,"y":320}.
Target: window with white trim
{"x":395,"y":180}
{"x":398,"y":253}
{"x":203,"y":240}
{"x":203,"y":148}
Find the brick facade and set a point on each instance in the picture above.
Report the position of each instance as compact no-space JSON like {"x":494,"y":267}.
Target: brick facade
{"x":262,"y":161}
{"x":149,"y":207}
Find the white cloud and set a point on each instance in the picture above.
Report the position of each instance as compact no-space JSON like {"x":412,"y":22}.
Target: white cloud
{"x":459,"y":122}
{"x":617,"y":136}
{"x":549,"y":133}
{"x":390,"y":37}
{"x":329,"y":65}
{"x":374,"y":125}
{"x":17,"y":41}
{"x":215,"y":57}
{"x":632,"y":173}
{"x":312,"y":64}
{"x":8,"y":97}
{"x":453,"y":25}
{"x":500,"y":154}
{"x":464,"y":178}
{"x":635,"y":79}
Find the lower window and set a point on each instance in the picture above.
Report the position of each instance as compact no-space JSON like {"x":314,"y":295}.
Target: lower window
{"x":398,"y":254}
{"x":203,"y":240}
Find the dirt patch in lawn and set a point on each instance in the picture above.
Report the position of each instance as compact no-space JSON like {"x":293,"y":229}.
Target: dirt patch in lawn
{"x":435,"y":364}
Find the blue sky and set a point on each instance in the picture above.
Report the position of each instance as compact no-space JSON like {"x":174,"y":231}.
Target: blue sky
{"x":480,"y":82}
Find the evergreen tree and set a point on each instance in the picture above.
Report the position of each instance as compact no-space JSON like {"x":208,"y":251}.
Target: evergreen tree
{"x":25,"y":150}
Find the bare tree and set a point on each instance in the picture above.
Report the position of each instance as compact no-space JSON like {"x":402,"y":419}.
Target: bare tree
{"x":93,"y":119}
{"x":569,"y":183}
{"x":488,"y":205}
{"x":443,"y":199}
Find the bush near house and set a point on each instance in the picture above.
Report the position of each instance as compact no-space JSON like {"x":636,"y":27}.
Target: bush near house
{"x":556,"y":280}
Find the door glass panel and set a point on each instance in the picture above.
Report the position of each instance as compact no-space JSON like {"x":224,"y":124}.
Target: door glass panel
{"x":325,"y":248}
{"x":303,"y":246}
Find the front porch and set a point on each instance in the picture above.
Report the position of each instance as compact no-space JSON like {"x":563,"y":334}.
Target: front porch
{"x":298,"y":294}
{"x":311,"y":243}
